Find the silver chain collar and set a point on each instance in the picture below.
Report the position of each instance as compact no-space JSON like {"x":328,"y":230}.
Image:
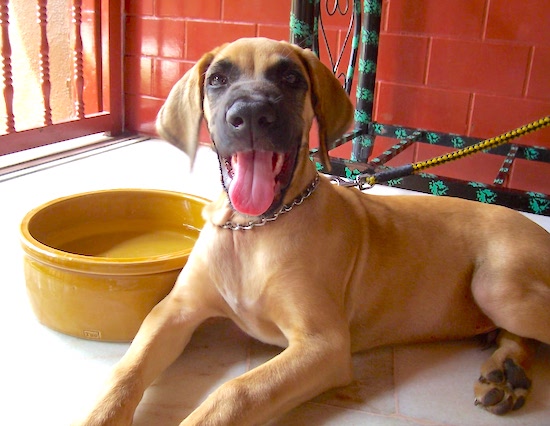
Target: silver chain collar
{"x":310,"y":189}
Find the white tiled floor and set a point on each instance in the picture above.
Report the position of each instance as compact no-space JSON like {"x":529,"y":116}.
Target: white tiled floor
{"x":48,"y":377}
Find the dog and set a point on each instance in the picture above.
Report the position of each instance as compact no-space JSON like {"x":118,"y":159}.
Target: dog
{"x":407,"y":269}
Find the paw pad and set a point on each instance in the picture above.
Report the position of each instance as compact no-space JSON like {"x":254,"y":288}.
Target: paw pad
{"x":501,"y":391}
{"x":515,"y":375}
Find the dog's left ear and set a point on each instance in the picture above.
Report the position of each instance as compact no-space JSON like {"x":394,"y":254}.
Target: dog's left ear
{"x":179,"y":119}
{"x":331,"y":104}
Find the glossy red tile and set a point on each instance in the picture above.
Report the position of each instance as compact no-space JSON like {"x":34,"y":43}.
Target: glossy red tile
{"x":155,"y":37}
{"x":539,"y":81}
{"x":421,"y":107}
{"x":382,"y":144}
{"x":142,"y":36}
{"x":141,"y":113}
{"x":456,"y":18}
{"x":133,"y":34}
{"x":208,"y":10}
{"x":343,"y":151}
{"x":519,"y":21}
{"x":494,"y":68}
{"x":493,"y":115}
{"x":385,"y":15}
{"x":530,"y":176}
{"x":140,"y":8}
{"x":402,"y":58}
{"x":275,"y":32}
{"x":171,"y":38}
{"x":478,"y":167}
{"x":137,"y":78}
{"x":204,"y":36}
{"x":256,"y":11}
{"x":164,"y":38}
{"x":166,"y":73}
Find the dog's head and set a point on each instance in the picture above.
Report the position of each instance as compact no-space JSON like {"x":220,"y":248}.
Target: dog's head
{"x":259,"y":98}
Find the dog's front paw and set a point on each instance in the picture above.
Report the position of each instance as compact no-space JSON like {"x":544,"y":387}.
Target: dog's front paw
{"x":502,"y":390}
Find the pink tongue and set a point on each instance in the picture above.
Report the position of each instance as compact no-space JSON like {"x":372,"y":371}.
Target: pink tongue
{"x":253,"y":186}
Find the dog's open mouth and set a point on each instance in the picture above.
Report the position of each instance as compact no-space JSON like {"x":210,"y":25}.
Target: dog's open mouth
{"x":256,"y":180}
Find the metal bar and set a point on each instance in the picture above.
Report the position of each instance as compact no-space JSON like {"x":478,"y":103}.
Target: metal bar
{"x":356,"y":19}
{"x":44,"y":60}
{"x":453,"y":140}
{"x":98,"y":53}
{"x":395,"y":150}
{"x":343,"y":11}
{"x":366,"y":33}
{"x":346,"y":138}
{"x":329,"y":52}
{"x":115,"y":33}
{"x":78,"y":61}
{"x":526,"y":201}
{"x":6,"y":65}
{"x":108,"y":17}
{"x":428,"y":136}
{"x":355,"y":26}
{"x":304,"y":18}
{"x":370,"y":33}
{"x":32,"y":138}
{"x":506,"y":167}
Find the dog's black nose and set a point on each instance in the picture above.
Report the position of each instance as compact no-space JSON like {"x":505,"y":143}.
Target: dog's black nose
{"x":246,"y":116}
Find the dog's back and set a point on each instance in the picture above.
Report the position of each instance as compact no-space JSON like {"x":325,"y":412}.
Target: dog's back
{"x":426,"y":262}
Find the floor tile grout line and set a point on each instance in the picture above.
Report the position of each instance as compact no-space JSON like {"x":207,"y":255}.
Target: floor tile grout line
{"x":394,"y":416}
{"x":394,"y":382}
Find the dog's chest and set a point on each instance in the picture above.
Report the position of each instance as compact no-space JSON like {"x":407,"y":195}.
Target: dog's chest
{"x":238,"y":267}
{"x":248,"y":307}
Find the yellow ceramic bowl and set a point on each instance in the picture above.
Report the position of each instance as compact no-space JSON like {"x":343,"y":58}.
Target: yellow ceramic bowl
{"x":97,"y":263}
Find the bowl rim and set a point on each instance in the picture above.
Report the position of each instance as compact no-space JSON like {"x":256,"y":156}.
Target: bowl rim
{"x":98,"y":264}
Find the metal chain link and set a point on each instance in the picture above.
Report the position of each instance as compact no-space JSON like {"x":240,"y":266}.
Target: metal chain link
{"x":310,"y":189}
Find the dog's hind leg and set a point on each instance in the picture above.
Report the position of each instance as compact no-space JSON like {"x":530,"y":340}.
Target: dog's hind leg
{"x":513,"y":290}
{"x":503,"y":383}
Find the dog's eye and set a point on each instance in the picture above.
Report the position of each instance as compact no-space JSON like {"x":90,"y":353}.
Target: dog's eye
{"x":217,"y":80}
{"x":292,"y":78}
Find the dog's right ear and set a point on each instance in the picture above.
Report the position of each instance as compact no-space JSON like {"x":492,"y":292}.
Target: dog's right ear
{"x":179,"y":119}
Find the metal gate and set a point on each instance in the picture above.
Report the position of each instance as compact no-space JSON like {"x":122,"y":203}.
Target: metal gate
{"x":306,"y":27}
{"x":61,"y":71}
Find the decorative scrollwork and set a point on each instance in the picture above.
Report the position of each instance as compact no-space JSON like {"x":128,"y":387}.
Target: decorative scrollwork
{"x":364,"y":24}
{"x":336,"y":8}
{"x":343,"y":8}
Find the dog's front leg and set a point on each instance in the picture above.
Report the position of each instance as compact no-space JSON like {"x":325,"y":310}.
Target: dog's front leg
{"x":309,"y":366}
{"x":161,"y":339}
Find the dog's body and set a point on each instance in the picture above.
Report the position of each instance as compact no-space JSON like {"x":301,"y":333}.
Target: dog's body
{"x":340,"y":271}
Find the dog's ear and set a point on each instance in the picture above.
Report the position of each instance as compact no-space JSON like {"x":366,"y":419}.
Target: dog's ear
{"x":331,"y":104}
{"x":179,"y":119}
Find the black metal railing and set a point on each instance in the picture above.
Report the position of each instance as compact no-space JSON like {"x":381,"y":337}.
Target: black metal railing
{"x":307,"y":26}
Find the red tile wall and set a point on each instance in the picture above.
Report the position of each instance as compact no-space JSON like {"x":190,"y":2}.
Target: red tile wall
{"x":473,"y":67}
{"x":489,"y":59}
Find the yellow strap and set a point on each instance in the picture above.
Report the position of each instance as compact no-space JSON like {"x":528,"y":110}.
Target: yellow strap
{"x":483,"y":145}
{"x":366,"y":179}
